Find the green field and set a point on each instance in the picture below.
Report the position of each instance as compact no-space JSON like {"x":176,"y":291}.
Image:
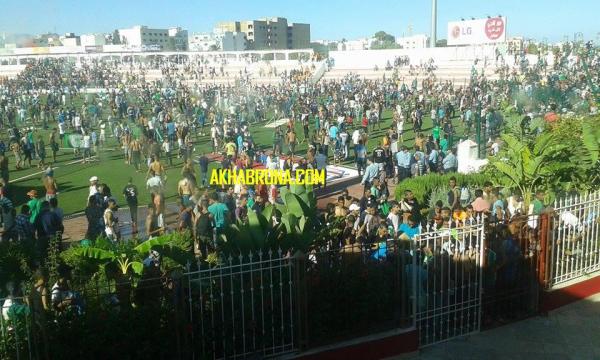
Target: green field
{"x":111,"y":169}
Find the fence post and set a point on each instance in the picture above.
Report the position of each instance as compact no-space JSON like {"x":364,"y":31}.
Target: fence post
{"x":543,"y":266}
{"x":299,"y":263}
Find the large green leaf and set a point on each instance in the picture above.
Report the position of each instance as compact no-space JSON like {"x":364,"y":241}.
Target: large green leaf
{"x":295,"y":205}
{"x":95,"y":253}
{"x":290,"y":221}
{"x":145,"y":247}
{"x":257,"y":225}
{"x":137,"y":267}
{"x":268,"y":212}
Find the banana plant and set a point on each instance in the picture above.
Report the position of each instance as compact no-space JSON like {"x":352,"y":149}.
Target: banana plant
{"x":528,"y":164}
{"x":128,"y":259}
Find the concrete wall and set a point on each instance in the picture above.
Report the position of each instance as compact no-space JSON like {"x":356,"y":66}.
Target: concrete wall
{"x":367,"y":59}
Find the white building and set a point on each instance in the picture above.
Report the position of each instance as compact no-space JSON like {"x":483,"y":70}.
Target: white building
{"x":419,"y":41}
{"x":230,"y":40}
{"x":143,"y":37}
{"x":92,"y":40}
{"x":69,"y":39}
{"x":352,"y":45}
{"x":203,"y":42}
{"x":218,"y":41}
{"x":178,"y":39}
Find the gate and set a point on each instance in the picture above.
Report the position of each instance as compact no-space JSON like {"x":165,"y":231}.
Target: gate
{"x":449,"y":280}
{"x":243,"y":308}
{"x":514,"y":267}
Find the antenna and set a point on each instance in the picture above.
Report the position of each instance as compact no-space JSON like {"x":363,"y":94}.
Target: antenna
{"x":433,"y":23}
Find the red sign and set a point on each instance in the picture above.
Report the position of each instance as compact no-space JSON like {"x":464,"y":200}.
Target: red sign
{"x":494,"y":28}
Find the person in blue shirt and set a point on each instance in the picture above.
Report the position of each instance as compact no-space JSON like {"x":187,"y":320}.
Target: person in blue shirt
{"x":409,"y":229}
{"x":450,"y":162}
{"x":403,"y":160}
{"x":171,"y":131}
{"x":333,"y":132}
{"x":433,"y":160}
{"x":371,"y":172}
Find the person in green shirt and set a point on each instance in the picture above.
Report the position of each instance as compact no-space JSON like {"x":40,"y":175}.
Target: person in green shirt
{"x":444,"y":143}
{"x":34,"y":205}
{"x":219,"y":212}
{"x":537,"y":205}
{"x":436,"y":133}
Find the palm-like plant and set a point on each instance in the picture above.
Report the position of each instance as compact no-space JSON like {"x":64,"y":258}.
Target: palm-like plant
{"x":529,"y":163}
{"x":129,"y":258}
{"x":287,"y":226}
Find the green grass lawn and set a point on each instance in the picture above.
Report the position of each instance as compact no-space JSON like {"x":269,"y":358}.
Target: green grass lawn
{"x":112,"y":170}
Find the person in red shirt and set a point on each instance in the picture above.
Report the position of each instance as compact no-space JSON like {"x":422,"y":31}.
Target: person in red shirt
{"x":365,"y":124}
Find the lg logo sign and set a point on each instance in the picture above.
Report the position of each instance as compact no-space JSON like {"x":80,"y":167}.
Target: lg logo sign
{"x":494,"y":28}
{"x":457,"y":31}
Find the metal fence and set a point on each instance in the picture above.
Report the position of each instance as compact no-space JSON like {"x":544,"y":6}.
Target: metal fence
{"x":574,"y":238}
{"x":449,"y":280}
{"x":244,"y":307}
{"x":353,"y":290}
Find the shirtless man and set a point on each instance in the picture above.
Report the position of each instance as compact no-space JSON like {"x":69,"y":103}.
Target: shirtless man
{"x":16,"y":149}
{"x":185,"y":190}
{"x":126,"y":139}
{"x":53,"y":144}
{"x":291,"y":141}
{"x":157,"y":168}
{"x":50,"y":184}
{"x":136,"y":154}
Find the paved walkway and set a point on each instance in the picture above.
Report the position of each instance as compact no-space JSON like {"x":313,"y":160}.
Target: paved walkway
{"x":571,"y":332}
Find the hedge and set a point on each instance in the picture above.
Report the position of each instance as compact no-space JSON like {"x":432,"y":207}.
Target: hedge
{"x":422,"y":186}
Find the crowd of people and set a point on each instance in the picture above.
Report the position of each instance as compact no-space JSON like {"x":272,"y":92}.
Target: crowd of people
{"x":155,"y":123}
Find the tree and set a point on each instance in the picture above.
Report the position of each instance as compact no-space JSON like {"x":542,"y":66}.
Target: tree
{"x":384,"y":41}
{"x":384,"y":37}
{"x":116,"y":38}
{"x":441,"y":43}
{"x":529,"y":163}
{"x":214,"y":47}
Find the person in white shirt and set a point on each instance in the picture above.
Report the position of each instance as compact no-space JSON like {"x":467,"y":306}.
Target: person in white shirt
{"x":344,"y":142}
{"x":356,"y":136}
{"x":86,"y":144}
{"x":154,"y":183}
{"x":102,"y":133}
{"x":93,"y":187}
{"x":62,"y":127}
{"x":77,"y":122}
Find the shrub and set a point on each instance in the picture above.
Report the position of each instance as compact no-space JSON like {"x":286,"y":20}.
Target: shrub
{"x":422,"y":186}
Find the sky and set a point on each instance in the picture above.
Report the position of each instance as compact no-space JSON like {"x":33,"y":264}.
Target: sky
{"x":329,"y":19}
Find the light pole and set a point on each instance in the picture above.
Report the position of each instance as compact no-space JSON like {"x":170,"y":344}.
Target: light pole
{"x":433,"y":38}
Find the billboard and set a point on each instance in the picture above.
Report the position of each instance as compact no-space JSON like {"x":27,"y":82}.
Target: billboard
{"x":479,"y":31}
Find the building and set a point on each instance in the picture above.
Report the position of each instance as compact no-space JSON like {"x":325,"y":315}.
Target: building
{"x":298,"y":36}
{"x":352,"y":45}
{"x":413,"y":42}
{"x":145,"y":38}
{"x":92,"y":40}
{"x":217,"y":41}
{"x":69,"y":39}
{"x":203,"y":42}
{"x":45,"y":40}
{"x":270,"y":33}
{"x":178,"y":39}
{"x":233,"y":41}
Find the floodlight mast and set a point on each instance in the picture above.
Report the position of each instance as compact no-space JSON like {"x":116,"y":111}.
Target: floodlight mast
{"x":433,"y":37}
